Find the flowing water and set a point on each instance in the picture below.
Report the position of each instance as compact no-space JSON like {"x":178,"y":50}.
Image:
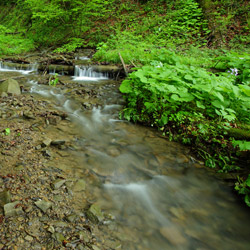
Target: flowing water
{"x":159,"y":197}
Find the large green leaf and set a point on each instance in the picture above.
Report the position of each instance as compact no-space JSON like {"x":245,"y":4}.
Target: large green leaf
{"x":126,"y":87}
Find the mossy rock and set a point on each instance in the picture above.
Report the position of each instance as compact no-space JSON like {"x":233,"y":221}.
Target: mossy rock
{"x":10,"y":86}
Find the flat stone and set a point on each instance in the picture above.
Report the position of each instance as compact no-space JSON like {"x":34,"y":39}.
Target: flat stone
{"x":54,"y":120}
{"x":72,"y":218}
{"x":57,"y":183}
{"x":44,"y":205}
{"x":80,"y":185}
{"x":11,"y":210}
{"x":95,"y":214}
{"x":46,"y":142}
{"x":60,"y":224}
{"x":28,"y":238}
{"x":173,"y":235}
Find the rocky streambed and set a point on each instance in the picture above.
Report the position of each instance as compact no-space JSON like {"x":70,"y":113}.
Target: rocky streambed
{"x":73,"y":176}
{"x":36,"y":197}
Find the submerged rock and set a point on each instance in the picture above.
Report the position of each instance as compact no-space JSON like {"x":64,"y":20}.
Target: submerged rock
{"x":79,"y":186}
{"x":10,"y":86}
{"x":95,"y":214}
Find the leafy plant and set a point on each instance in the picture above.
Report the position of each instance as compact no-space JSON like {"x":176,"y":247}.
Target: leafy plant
{"x":243,"y":188}
{"x":188,"y":104}
{"x":53,"y":80}
{"x":7,"y":131}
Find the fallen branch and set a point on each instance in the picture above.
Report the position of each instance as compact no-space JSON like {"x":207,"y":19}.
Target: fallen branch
{"x":123,"y":64}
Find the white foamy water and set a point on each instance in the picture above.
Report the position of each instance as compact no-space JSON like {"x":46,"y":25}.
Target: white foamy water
{"x":24,"y":70}
{"x":86,"y":73}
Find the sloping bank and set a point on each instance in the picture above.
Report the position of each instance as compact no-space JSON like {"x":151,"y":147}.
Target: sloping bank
{"x":207,"y":111}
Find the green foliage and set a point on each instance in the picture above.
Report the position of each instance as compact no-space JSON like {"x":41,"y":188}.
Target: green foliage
{"x":243,"y":145}
{"x":238,"y":64}
{"x":73,"y":44}
{"x":53,"y":80}
{"x":13,"y":44}
{"x":7,"y":131}
{"x":243,"y":188}
{"x":189,"y":104}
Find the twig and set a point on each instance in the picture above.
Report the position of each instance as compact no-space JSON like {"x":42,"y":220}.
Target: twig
{"x":123,"y":64}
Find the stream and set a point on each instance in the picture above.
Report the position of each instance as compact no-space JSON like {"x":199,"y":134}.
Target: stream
{"x":156,"y":195}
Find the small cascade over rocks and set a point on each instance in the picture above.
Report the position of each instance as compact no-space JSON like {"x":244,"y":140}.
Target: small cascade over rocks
{"x":83,"y":73}
{"x":22,"y":68}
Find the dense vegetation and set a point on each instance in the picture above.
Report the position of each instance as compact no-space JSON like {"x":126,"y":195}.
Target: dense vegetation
{"x":191,"y":64}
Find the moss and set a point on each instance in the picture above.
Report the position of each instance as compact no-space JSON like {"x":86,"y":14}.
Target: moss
{"x":239,"y":133}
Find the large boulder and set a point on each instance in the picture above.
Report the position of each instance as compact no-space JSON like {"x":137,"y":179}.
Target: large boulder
{"x":10,"y":86}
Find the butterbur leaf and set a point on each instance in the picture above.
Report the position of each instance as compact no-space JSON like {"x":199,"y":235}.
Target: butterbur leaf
{"x":200,"y":105}
{"x":247,"y":200}
{"x":217,"y":104}
{"x":243,"y":145}
{"x":188,"y":77}
{"x":126,"y":87}
{"x":219,"y":95}
{"x":175,"y":97}
{"x":186,"y":97}
{"x":245,"y":89}
{"x":141,"y":76}
{"x":248,"y":181}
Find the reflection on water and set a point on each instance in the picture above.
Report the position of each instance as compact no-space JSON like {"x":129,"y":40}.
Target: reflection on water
{"x":159,"y":198}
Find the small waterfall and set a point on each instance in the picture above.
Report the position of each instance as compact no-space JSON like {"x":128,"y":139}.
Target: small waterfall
{"x":22,"y":68}
{"x":88,"y":74}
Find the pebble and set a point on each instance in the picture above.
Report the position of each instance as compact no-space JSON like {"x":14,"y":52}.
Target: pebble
{"x":28,"y":238}
{"x":57,"y":183}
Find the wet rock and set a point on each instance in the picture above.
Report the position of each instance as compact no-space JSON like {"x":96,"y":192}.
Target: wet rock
{"x":29,"y":115}
{"x":173,"y":235}
{"x":5,"y":198}
{"x":38,"y":147}
{"x":72,"y":218}
{"x":11,"y":209}
{"x":58,"y":142}
{"x":54,"y":120}
{"x":79,"y":185}
{"x":46,"y":142}
{"x":180,"y":158}
{"x":47,"y":153}
{"x":28,"y":238}
{"x":113,"y":151}
{"x":95,"y":214}
{"x":10,"y":86}
{"x":44,"y":205}
{"x":84,"y":235}
{"x":57,"y":183}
